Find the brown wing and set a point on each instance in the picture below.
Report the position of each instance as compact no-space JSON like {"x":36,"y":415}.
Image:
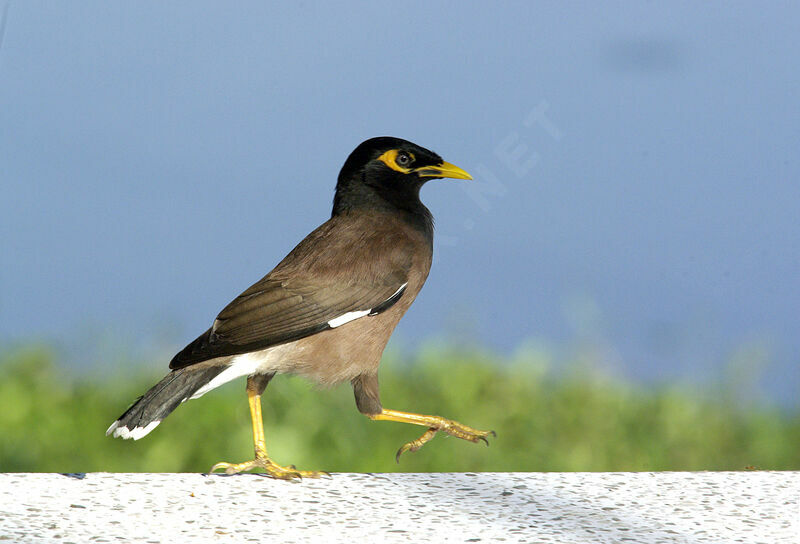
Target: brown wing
{"x":318,"y":282}
{"x":279,"y":312}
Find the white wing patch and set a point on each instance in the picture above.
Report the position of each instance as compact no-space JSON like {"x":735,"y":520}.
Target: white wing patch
{"x":352,"y":316}
{"x":346,"y":318}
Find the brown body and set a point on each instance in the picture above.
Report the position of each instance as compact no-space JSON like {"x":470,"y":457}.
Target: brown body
{"x":353,"y":351}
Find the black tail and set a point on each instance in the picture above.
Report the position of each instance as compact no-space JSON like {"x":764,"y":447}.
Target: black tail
{"x":148,"y":411}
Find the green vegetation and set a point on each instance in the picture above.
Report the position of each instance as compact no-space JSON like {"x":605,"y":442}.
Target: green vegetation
{"x":545,"y":421}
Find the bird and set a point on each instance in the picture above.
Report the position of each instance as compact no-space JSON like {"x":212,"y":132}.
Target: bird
{"x":326,"y":311}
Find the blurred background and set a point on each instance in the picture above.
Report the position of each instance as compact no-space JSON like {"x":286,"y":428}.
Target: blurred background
{"x":618,"y":288}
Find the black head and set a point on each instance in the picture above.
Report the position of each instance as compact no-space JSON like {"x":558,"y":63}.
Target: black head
{"x":388,"y":172}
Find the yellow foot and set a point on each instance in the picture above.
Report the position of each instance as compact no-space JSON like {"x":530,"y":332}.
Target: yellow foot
{"x":270,"y":468}
{"x":453,"y":428}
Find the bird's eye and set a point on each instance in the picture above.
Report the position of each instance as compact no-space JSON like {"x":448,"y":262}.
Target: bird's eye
{"x":397,"y":160}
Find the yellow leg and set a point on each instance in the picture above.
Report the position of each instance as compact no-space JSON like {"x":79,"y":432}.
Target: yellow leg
{"x":434,"y":424}
{"x":262,"y":460}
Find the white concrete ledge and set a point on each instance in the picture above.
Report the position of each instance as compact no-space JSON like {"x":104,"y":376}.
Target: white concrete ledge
{"x":694,"y":507}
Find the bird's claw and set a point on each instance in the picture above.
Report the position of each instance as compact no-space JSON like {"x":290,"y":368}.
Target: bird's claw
{"x":453,"y":428}
{"x":414,"y":445}
{"x":269,"y":467}
{"x":485,"y":440}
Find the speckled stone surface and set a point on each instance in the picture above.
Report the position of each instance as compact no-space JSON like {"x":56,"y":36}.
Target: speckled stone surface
{"x":693,"y":507}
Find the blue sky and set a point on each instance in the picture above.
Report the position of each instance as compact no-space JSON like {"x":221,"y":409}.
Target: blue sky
{"x":636,"y":168}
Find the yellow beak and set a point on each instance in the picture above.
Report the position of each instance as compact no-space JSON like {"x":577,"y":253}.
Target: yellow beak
{"x":444,"y":170}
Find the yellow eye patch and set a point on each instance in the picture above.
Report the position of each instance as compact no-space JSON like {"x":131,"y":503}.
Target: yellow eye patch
{"x":390,"y":159}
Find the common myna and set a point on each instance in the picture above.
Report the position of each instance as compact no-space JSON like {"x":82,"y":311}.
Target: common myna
{"x":327,"y":310}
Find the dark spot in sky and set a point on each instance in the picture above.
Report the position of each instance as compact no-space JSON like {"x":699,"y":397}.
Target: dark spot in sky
{"x":644,"y":55}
